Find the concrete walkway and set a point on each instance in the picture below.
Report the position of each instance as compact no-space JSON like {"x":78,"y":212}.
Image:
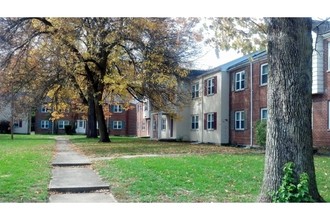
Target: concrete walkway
{"x":73,"y":179}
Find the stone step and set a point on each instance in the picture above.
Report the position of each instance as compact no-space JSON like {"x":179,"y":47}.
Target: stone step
{"x":70,"y":158}
{"x":82,"y":198}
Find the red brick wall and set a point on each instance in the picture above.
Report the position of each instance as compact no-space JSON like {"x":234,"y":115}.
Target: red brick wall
{"x":128,"y":117}
{"x":321,"y":133}
{"x":240,"y":101}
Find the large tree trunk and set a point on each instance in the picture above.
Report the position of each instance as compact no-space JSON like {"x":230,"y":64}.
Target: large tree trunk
{"x":104,"y":136}
{"x":289,"y":133}
{"x":91,"y":126}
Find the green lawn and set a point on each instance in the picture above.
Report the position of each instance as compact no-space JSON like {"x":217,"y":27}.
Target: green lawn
{"x":25,"y":168}
{"x":202,"y":173}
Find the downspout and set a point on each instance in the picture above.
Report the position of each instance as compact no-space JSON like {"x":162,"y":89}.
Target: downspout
{"x":251,"y":105}
{"x":202,"y":127}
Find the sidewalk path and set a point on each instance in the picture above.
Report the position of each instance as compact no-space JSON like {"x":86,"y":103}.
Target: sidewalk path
{"x":73,"y":180}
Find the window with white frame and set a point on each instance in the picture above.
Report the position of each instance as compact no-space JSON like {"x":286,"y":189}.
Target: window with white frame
{"x":210,"y":86}
{"x":240,"y":81}
{"x":239,"y":120}
{"x":195,"y":91}
{"x":194,"y":122}
{"x":264,"y":74}
{"x":117,"y":109}
{"x":210,"y":121}
{"x":263,"y":114}
{"x":117,"y":125}
{"x":143,"y":126}
{"x":44,"y":109}
{"x":328,"y":55}
{"x":62,"y":123}
{"x":18,"y":123}
{"x":164,"y":123}
{"x":44,"y":124}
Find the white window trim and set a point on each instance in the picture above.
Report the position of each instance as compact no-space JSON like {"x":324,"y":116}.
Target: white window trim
{"x":44,"y":124}
{"x":261,"y":113}
{"x":117,"y":125}
{"x":195,"y":122}
{"x":117,"y":109}
{"x":210,"y":121}
{"x":262,"y":74}
{"x":164,"y":121}
{"x":44,"y":109}
{"x":240,"y":119}
{"x":328,"y":56}
{"x":209,"y":86}
{"x":195,"y":90}
{"x":62,"y":123}
{"x":241,"y":73}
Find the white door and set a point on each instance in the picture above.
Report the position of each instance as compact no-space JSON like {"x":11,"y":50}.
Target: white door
{"x":81,"y":127}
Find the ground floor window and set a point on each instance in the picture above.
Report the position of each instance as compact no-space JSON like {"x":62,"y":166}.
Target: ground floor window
{"x":210,"y":121}
{"x":263,"y":113}
{"x":44,"y":124}
{"x":117,"y":125}
{"x":194,"y":122}
{"x":18,"y":123}
{"x":239,"y":120}
{"x":62,"y":123}
{"x":164,"y":121}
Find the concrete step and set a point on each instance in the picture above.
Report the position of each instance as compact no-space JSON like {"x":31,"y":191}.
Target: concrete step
{"x":70,"y":158}
{"x":82,"y":198}
{"x":75,"y":179}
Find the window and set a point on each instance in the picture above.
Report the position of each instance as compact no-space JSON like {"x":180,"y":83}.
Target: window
{"x":117,"y":125}
{"x":239,"y":120}
{"x":194,"y":122}
{"x":211,"y":121}
{"x":143,"y":126}
{"x":328,"y":55}
{"x":263,"y":114}
{"x":117,"y":109}
{"x":195,"y":91}
{"x":44,"y":109}
{"x":18,"y":123}
{"x":62,"y":123}
{"x":239,"y":81}
{"x":145,"y":106}
{"x":44,"y":124}
{"x":210,"y":86}
{"x":164,"y":123}
{"x":263,"y":74}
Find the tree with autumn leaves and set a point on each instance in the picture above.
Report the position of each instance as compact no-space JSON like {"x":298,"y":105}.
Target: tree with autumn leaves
{"x":140,"y":57}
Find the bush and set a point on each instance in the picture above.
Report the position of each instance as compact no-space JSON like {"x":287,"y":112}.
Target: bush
{"x":289,"y":191}
{"x":68,"y":129}
{"x":261,"y":131}
{"x":4,"y":127}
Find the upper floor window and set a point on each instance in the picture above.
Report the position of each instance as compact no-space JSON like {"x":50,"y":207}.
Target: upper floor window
{"x":240,"y":81}
{"x":194,"y":122}
{"x":62,"y":123}
{"x":195,"y":91}
{"x":117,"y":109}
{"x":328,"y":55}
{"x":210,"y":86}
{"x":263,"y":114}
{"x":239,"y":120}
{"x":44,"y":109}
{"x":263,"y":74}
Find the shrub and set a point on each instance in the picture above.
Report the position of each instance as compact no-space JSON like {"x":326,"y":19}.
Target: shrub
{"x":4,"y":127}
{"x":261,"y":131}
{"x":68,"y":129}
{"x":289,"y":191}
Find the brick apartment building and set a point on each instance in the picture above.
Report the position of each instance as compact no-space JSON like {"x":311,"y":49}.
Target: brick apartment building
{"x":120,"y":121}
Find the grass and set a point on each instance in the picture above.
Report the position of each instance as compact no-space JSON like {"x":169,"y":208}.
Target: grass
{"x":199,"y":173}
{"x":25,"y":167}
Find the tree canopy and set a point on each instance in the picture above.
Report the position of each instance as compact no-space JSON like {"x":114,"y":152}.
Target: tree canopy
{"x":117,"y":57}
